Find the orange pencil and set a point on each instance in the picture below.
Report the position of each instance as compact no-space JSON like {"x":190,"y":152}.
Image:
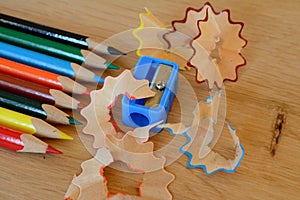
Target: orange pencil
{"x":49,"y":79}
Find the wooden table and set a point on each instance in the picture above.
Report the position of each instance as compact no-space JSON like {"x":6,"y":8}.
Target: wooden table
{"x":267,"y":87}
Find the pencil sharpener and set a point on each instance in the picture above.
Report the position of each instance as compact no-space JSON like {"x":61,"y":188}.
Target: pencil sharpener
{"x":163,"y":78}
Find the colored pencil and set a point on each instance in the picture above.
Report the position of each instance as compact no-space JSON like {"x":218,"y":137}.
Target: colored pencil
{"x":48,"y":79}
{"x":35,"y":108}
{"x":30,"y":125}
{"x":82,"y":57}
{"x":38,"y":92}
{"x":62,"y":36}
{"x":48,"y":63}
{"x":22,"y":142}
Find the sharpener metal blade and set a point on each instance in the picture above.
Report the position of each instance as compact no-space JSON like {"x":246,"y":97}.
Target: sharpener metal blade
{"x":158,"y":84}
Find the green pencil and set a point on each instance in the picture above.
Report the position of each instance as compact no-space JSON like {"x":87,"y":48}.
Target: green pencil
{"x":56,"y":49}
{"x":34,"y":108}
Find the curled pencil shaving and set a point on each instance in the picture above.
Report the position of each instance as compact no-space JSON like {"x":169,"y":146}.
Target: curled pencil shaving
{"x":137,"y":155}
{"x":92,"y":183}
{"x":184,"y":31}
{"x":72,"y":192}
{"x":124,"y":197}
{"x":221,"y":162}
{"x":150,"y":36}
{"x":142,"y":134}
{"x":207,"y":68}
{"x":213,"y":161}
{"x":202,"y":138}
{"x":207,"y":109}
{"x":157,"y":181}
{"x":209,"y":30}
{"x":174,"y":128}
{"x":97,"y":112}
{"x":201,"y":131}
{"x":148,"y":32}
{"x":216,"y":42}
{"x":188,"y":26}
{"x":221,"y":38}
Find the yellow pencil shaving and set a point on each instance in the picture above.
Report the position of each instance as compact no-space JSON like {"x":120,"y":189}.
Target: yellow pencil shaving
{"x":154,"y":23}
{"x":148,"y":20}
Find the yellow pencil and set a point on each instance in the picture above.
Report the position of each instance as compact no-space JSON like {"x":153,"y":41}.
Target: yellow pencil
{"x":30,"y":125}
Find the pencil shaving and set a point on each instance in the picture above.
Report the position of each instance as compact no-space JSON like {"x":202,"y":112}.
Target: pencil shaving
{"x":188,"y":25}
{"x":142,"y":133}
{"x":213,"y":161}
{"x":157,"y":181}
{"x":216,"y":41}
{"x":72,"y":192}
{"x":221,"y":38}
{"x":148,"y":23}
{"x":97,"y":112}
{"x":183,"y":32}
{"x":151,"y":42}
{"x":92,"y":183}
{"x":207,"y":68}
{"x":137,"y":155}
{"x":176,"y":128}
{"x":124,"y":197}
{"x":201,"y":131}
{"x":202,"y":138}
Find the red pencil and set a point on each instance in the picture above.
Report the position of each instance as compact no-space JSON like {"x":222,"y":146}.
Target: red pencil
{"x":38,"y":92}
{"x":22,"y":142}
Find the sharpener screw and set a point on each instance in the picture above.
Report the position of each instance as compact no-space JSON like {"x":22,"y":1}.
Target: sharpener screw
{"x":160,"y":85}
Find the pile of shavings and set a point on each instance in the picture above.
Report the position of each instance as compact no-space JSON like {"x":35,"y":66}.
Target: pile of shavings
{"x":206,"y":40}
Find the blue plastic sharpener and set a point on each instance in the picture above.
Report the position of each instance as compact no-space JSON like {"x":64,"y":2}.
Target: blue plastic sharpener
{"x":163,"y":78}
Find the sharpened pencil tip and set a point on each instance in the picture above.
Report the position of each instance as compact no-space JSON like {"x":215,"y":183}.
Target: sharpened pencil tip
{"x":111,"y":66}
{"x":87,"y":92}
{"x":98,"y":79}
{"x":114,"y":51}
{"x":81,"y":105}
{"x":52,"y":150}
{"x":65,"y":136}
{"x":73,"y":121}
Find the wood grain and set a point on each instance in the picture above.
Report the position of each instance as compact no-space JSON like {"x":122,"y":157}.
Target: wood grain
{"x":268,"y":85}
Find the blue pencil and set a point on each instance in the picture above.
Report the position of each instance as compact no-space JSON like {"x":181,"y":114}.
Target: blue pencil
{"x":47,"y":63}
